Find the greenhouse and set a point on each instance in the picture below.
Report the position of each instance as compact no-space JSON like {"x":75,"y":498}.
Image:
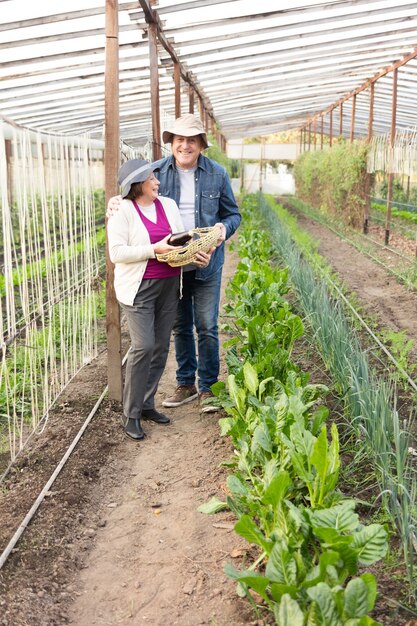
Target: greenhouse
{"x":208,"y":312}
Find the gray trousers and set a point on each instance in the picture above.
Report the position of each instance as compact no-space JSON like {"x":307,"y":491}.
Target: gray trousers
{"x":150,"y":320}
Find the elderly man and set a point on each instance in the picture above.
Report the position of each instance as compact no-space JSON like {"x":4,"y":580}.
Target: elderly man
{"x":201,"y":188}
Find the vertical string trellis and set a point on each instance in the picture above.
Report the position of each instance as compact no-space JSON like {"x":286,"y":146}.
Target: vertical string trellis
{"x":50,"y":263}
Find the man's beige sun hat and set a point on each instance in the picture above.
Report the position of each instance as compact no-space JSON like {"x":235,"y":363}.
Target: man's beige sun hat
{"x":186,"y":126}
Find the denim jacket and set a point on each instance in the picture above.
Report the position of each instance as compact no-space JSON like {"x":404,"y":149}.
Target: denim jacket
{"x":214,"y":201}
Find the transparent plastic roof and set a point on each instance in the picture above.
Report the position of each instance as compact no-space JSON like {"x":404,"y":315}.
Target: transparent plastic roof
{"x":263,"y":66}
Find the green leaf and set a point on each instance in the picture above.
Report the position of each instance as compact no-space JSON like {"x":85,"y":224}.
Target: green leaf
{"x":212,"y":506}
{"x":297,"y":408}
{"x":322,"y":595}
{"x":226,"y":425}
{"x":281,"y":567}
{"x":261,"y":439}
{"x":238,"y":395}
{"x":319,"y":456}
{"x":289,"y":612}
{"x":341,"y":517}
{"x":371,"y":582}
{"x":356,"y":598}
{"x":318,"y":418}
{"x":237,"y":486}
{"x":277,"y":590}
{"x":247,"y":529}
{"x":263,"y":384}
{"x":281,"y":408}
{"x":250,"y":376}
{"x":277,"y":489}
{"x":370,"y":543}
{"x":256,"y":581}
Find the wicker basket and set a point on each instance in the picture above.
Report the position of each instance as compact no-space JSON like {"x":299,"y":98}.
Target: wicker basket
{"x":203,"y":240}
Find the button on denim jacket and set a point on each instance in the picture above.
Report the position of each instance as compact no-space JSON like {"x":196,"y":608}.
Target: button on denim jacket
{"x":214,"y":201}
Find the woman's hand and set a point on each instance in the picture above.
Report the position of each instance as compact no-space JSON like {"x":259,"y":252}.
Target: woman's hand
{"x":113,"y":205}
{"x":160,"y":247}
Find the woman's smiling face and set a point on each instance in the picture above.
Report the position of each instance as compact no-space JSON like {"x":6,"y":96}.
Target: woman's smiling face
{"x":150,"y":189}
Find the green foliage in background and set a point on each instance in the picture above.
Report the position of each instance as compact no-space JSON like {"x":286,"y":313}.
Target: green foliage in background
{"x":334,"y":181}
{"x":216,"y":153}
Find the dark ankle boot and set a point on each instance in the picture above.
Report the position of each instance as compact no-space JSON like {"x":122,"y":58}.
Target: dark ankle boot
{"x":134,"y":430}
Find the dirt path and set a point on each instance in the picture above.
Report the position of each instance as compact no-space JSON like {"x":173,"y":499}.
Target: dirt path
{"x":391,"y":304}
{"x":157,"y":560}
{"x":119,"y":539}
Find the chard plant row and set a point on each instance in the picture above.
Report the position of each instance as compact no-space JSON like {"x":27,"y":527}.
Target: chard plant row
{"x":370,"y":400}
{"x":283,"y":487}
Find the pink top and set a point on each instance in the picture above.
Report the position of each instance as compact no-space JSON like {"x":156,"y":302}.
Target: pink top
{"x":157,"y":231}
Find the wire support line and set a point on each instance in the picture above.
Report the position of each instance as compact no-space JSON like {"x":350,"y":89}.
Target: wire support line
{"x":22,"y":527}
{"x":400,"y":277}
{"x":397,"y":275}
{"x":340,"y":293}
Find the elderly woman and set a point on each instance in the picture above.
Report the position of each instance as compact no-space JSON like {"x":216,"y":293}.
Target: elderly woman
{"x":147,"y":289}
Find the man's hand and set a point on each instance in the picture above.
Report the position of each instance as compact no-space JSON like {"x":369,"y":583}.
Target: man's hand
{"x":202,"y":259}
{"x":113,"y":205}
{"x":222,"y":237}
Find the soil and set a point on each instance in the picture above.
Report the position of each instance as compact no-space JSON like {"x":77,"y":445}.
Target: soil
{"x":118,"y":539}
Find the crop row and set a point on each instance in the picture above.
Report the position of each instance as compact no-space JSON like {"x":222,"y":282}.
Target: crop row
{"x":284,"y":486}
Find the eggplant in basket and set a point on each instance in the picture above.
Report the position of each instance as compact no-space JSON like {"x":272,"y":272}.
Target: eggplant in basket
{"x":179,"y":239}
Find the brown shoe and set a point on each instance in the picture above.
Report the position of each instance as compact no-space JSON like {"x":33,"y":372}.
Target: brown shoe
{"x":183,"y":394}
{"x":206,"y":408}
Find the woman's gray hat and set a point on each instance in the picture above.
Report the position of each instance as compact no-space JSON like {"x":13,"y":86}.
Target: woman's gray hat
{"x":186,"y":126}
{"x":134,"y":171}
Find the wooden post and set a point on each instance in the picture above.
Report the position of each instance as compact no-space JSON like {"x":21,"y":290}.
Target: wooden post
{"x":309,"y":136}
{"x":371,"y":112}
{"x":177,"y":84}
{"x":261,"y":162}
{"x":392,"y":137}
{"x":111,"y":166}
{"x":201,"y":109}
{"x":352,"y":119}
{"x":9,"y":166}
{"x":368,"y":176}
{"x":341,"y":120}
{"x":154,"y":78}
{"x":321,"y":132}
{"x":315,"y":133}
{"x":331,"y":128}
{"x":190,"y":99}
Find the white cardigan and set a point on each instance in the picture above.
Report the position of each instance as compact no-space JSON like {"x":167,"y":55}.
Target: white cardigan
{"x":130,"y":246}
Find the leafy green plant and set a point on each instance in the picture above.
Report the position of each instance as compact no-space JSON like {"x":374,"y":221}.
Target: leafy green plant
{"x":284,"y":470}
{"x":334,"y":180}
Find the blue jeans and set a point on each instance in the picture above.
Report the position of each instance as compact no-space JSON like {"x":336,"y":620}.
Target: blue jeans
{"x":198,"y":306}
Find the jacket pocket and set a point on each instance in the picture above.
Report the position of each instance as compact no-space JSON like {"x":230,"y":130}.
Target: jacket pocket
{"x":210,"y":201}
